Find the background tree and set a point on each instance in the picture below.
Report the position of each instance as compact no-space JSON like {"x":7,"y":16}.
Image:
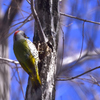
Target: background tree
{"x":5,"y":23}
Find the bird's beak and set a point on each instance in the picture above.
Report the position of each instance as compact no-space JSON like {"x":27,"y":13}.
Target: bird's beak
{"x":26,"y":37}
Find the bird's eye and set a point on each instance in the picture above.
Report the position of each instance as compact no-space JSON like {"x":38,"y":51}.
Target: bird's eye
{"x":24,"y":35}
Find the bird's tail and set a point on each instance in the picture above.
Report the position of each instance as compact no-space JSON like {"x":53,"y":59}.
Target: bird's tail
{"x":35,"y":79}
{"x":35,"y":82}
{"x":35,"y":89}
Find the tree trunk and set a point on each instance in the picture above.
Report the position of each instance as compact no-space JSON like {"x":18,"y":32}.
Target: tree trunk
{"x":48,"y":14}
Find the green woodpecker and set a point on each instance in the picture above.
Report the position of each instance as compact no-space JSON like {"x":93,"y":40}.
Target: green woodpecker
{"x":27,"y":55}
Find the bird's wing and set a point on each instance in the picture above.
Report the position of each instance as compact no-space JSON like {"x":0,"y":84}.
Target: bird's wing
{"x":25,"y":67}
{"x":33,"y":50}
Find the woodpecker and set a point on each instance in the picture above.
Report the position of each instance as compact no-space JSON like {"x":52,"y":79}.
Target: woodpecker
{"x":27,"y":55}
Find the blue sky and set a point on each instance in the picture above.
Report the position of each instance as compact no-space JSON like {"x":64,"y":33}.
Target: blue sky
{"x":87,"y":9}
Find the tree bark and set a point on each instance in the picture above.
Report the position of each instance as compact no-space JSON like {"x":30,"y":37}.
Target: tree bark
{"x":48,"y":14}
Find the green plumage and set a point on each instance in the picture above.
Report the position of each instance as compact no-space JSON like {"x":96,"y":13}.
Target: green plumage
{"x":26,"y":59}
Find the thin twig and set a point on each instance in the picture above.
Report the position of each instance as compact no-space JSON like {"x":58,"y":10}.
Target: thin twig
{"x":90,"y":81}
{"x":94,"y":80}
{"x":82,"y":40}
{"x":20,"y":82}
{"x":28,"y":1}
{"x":63,"y":46}
{"x":41,"y":34}
{"x":14,"y":75}
{"x":80,"y":55}
{"x":19,"y":23}
{"x":70,"y":78}
{"x":6,"y":36}
{"x":81,"y":47}
{"x":79,"y":18}
{"x":17,"y":8}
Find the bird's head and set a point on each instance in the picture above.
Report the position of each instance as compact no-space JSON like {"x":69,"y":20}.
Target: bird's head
{"x":19,"y":35}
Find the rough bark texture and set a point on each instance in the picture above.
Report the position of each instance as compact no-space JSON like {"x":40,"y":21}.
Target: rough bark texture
{"x":49,"y":17}
{"x":5,"y":23}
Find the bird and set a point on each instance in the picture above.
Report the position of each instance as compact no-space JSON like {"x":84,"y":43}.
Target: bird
{"x":27,"y":55}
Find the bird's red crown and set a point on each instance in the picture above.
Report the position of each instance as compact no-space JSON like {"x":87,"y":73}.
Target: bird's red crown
{"x":16,"y":33}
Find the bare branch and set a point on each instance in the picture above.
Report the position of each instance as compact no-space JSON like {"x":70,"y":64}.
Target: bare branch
{"x":11,"y":12}
{"x":81,"y":47}
{"x":70,"y":61}
{"x":70,"y":78}
{"x":28,"y":1}
{"x":79,"y":18}
{"x":84,"y":56}
{"x":20,"y":22}
{"x":25,"y":21}
{"x":9,"y":60}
